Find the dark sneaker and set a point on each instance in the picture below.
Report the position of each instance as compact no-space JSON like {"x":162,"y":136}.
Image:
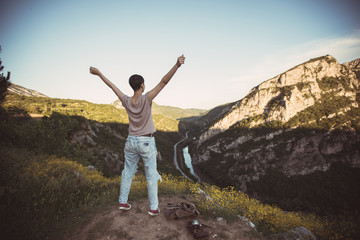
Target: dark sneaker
{"x":154,"y":212}
{"x":124,"y":206}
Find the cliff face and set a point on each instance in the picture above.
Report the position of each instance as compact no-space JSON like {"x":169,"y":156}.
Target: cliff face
{"x":286,"y":94}
{"x":298,"y":122}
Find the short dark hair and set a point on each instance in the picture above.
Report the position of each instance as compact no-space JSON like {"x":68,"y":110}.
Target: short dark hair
{"x":135,"y":81}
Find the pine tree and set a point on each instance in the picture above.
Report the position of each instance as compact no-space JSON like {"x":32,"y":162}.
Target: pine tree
{"x":4,"y":81}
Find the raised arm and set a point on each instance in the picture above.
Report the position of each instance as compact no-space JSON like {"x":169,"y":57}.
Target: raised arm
{"x":154,"y":92}
{"x":96,"y":72}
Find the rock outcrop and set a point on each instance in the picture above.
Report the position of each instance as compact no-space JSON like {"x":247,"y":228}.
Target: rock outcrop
{"x":299,"y":122}
{"x":283,"y":96}
{"x":87,"y":138}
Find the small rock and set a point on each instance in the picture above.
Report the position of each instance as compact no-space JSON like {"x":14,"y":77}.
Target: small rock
{"x":91,"y":168}
{"x":247,"y":221}
{"x":221,"y":220}
{"x":79,"y":175}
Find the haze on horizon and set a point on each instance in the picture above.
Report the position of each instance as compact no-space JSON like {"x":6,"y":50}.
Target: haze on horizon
{"x":230,"y":46}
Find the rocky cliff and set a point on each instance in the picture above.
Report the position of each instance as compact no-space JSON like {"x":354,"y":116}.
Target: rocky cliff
{"x":298,"y":122}
{"x":283,"y":96}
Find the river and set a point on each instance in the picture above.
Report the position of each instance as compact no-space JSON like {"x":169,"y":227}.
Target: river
{"x":187,"y":159}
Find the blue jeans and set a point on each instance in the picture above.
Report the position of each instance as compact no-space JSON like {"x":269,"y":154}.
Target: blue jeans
{"x":145,"y":148}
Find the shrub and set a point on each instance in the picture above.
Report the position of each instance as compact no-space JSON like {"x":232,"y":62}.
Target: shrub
{"x":229,"y":203}
{"x":40,"y":190}
{"x":332,"y":83}
{"x":302,"y":85}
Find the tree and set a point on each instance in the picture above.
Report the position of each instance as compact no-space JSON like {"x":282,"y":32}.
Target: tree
{"x":4,"y":82}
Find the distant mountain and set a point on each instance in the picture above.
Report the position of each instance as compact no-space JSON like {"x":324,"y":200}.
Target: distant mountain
{"x":24,"y":91}
{"x":197,"y":124}
{"x":302,"y":122}
{"x":165,"y":116}
{"x":168,"y":111}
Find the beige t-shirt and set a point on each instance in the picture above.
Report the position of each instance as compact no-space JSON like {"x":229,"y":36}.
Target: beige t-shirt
{"x":140,"y":117}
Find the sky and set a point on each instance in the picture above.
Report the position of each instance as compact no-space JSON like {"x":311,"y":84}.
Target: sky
{"x":230,"y":46}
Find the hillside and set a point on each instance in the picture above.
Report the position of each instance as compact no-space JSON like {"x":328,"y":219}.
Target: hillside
{"x":20,"y":90}
{"x":61,"y":156}
{"x":92,"y":134}
{"x":114,"y":225}
{"x":294,"y":140}
{"x":196,"y":123}
{"x":169,"y":111}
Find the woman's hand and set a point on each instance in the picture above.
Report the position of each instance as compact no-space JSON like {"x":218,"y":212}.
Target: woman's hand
{"x":180,"y":61}
{"x":94,"y":71}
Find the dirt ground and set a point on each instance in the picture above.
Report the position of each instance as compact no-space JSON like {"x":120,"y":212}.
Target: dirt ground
{"x":137,"y":224}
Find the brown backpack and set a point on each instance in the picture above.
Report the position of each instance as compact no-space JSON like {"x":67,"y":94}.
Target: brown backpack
{"x":181,"y":210}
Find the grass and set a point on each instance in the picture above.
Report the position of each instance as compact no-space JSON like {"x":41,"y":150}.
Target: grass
{"x":103,"y":113}
{"x":48,"y":190}
{"x":268,"y":219}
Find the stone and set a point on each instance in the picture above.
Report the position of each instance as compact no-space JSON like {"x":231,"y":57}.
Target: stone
{"x":247,"y":221}
{"x":92,"y":168}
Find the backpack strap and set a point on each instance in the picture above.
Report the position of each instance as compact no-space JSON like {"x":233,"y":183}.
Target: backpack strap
{"x":171,"y":209}
{"x":182,"y":210}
